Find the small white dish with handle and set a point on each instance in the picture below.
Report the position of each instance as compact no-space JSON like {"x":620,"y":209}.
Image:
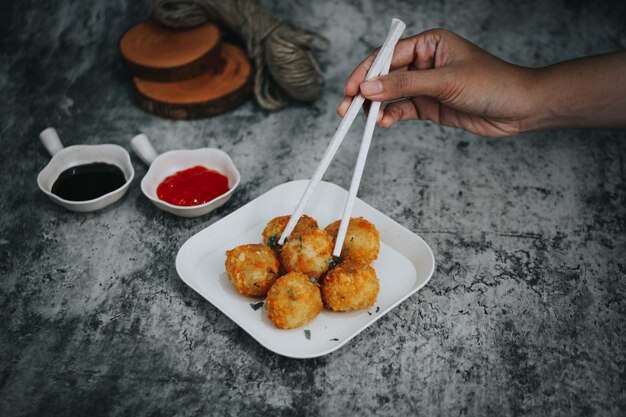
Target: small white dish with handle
{"x":171,"y":162}
{"x":65,"y":158}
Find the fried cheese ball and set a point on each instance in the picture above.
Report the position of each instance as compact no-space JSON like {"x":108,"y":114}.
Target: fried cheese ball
{"x":252,"y":269}
{"x":293,"y":301}
{"x":310,"y":253}
{"x":362,"y":241}
{"x":352,"y":285}
{"x":274,"y":229}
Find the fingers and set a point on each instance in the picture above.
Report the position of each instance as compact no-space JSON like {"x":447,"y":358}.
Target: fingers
{"x":432,"y":82}
{"x":427,"y":50}
{"x":343,"y":106}
{"x":403,"y":55}
{"x":396,"y":112}
{"x":358,"y":75}
{"x":415,"y":67}
{"x":422,"y":108}
{"x":366,"y":110}
{"x":347,"y":100}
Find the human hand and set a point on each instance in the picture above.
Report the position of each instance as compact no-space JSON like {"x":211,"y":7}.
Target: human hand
{"x":441,"y":77}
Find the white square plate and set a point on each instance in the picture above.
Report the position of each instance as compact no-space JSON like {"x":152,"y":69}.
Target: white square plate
{"x":404,"y":265}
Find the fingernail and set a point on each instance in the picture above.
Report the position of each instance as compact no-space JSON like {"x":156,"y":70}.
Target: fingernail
{"x":372,"y":87}
{"x":342,"y":106}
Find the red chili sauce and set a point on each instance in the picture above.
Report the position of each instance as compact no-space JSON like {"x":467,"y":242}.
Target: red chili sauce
{"x":192,"y":186}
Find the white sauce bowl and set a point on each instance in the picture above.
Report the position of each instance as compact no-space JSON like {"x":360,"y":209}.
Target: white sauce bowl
{"x":65,"y":158}
{"x":169,"y":163}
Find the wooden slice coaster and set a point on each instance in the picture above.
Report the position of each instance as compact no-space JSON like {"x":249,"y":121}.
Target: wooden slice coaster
{"x":216,"y":91}
{"x":155,"y":52}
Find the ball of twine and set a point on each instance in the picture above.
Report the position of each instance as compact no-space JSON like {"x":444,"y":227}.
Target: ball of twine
{"x":281,"y":52}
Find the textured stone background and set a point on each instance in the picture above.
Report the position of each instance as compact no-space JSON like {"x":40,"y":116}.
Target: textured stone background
{"x":525,"y":314}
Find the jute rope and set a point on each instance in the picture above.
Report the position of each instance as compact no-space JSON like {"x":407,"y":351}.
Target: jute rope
{"x":284,"y":64}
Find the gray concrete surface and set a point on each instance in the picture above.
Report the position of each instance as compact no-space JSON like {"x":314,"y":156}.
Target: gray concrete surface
{"x":525,"y":313}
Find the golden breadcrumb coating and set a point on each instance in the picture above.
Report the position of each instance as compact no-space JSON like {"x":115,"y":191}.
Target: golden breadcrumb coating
{"x":352,"y":285}
{"x":252,"y":269}
{"x":293,"y":301}
{"x":309,"y":253}
{"x":274,"y":229}
{"x":362,"y":241}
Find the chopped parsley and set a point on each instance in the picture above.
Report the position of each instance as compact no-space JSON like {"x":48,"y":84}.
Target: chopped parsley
{"x":307,"y":334}
{"x":292,"y":294}
{"x":377,"y":309}
{"x":272,"y":241}
{"x":334,"y":339}
{"x":334,"y":261}
{"x":256,"y":306}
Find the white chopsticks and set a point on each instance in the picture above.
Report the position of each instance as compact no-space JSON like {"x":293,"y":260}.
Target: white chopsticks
{"x":380,"y":66}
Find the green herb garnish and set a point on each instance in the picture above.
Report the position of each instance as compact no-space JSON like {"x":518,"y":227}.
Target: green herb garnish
{"x":377,"y":309}
{"x":307,"y":334}
{"x":334,"y":339}
{"x":256,"y":306}
{"x":272,"y":241}
{"x":334,"y":261}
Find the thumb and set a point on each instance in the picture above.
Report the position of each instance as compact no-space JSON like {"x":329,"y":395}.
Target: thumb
{"x":405,"y":84}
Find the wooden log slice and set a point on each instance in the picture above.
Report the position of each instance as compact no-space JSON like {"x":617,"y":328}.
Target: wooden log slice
{"x":155,"y":52}
{"x":216,"y":91}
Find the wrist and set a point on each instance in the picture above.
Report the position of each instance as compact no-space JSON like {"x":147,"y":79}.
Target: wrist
{"x":581,"y":93}
{"x":540,"y":111}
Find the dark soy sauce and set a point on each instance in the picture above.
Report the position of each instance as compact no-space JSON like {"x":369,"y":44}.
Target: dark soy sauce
{"x":89,"y":181}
